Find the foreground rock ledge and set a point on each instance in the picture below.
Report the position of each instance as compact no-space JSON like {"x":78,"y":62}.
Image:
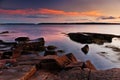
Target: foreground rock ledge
{"x":24,"y":63}
{"x":78,"y":74}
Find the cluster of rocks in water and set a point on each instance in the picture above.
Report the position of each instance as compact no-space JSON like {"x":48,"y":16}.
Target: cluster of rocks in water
{"x":23,"y":56}
{"x":21,"y":60}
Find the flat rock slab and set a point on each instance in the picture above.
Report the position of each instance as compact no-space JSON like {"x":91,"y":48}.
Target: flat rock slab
{"x":78,"y":74}
{"x":45,"y":75}
{"x":111,"y":74}
{"x":17,"y":73}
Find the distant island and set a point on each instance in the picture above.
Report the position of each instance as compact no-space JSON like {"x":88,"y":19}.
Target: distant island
{"x":84,"y":23}
{"x":17,"y":23}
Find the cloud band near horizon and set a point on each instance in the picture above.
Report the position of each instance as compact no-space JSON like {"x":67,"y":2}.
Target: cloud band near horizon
{"x":45,"y":11}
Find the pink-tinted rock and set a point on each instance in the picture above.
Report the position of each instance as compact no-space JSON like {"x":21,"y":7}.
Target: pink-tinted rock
{"x":89,"y":65}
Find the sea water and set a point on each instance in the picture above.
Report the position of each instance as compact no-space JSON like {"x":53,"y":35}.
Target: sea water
{"x":100,"y":55}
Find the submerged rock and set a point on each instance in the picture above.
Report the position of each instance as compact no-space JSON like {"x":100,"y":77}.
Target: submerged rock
{"x":4,"y":32}
{"x":114,"y":48}
{"x":85,"y":49}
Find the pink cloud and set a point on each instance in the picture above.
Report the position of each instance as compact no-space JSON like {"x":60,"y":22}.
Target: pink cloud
{"x":60,"y":12}
{"x":49,"y":11}
{"x":18,"y":11}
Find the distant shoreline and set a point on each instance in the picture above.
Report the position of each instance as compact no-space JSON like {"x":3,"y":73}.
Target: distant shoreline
{"x":88,"y":23}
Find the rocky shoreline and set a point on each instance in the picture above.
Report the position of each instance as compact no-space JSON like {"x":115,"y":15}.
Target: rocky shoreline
{"x":22,"y":60}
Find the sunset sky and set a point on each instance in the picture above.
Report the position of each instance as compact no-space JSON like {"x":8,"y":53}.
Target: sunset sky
{"x":38,"y":11}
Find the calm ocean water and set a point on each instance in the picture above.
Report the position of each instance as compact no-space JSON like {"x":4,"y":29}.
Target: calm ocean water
{"x":100,"y":56}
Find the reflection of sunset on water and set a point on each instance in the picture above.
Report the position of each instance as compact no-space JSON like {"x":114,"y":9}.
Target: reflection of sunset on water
{"x":55,"y":35}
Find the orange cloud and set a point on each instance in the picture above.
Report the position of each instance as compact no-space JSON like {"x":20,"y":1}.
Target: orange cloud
{"x":60,"y":12}
{"x":49,"y":11}
{"x":92,"y":13}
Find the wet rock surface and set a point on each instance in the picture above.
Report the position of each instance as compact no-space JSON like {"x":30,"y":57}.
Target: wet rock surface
{"x":85,"y":49}
{"x":51,"y":47}
{"x":78,"y":74}
{"x":22,"y":39}
{"x":22,"y":61}
{"x":89,"y":38}
{"x":111,"y":74}
{"x":19,"y":55}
